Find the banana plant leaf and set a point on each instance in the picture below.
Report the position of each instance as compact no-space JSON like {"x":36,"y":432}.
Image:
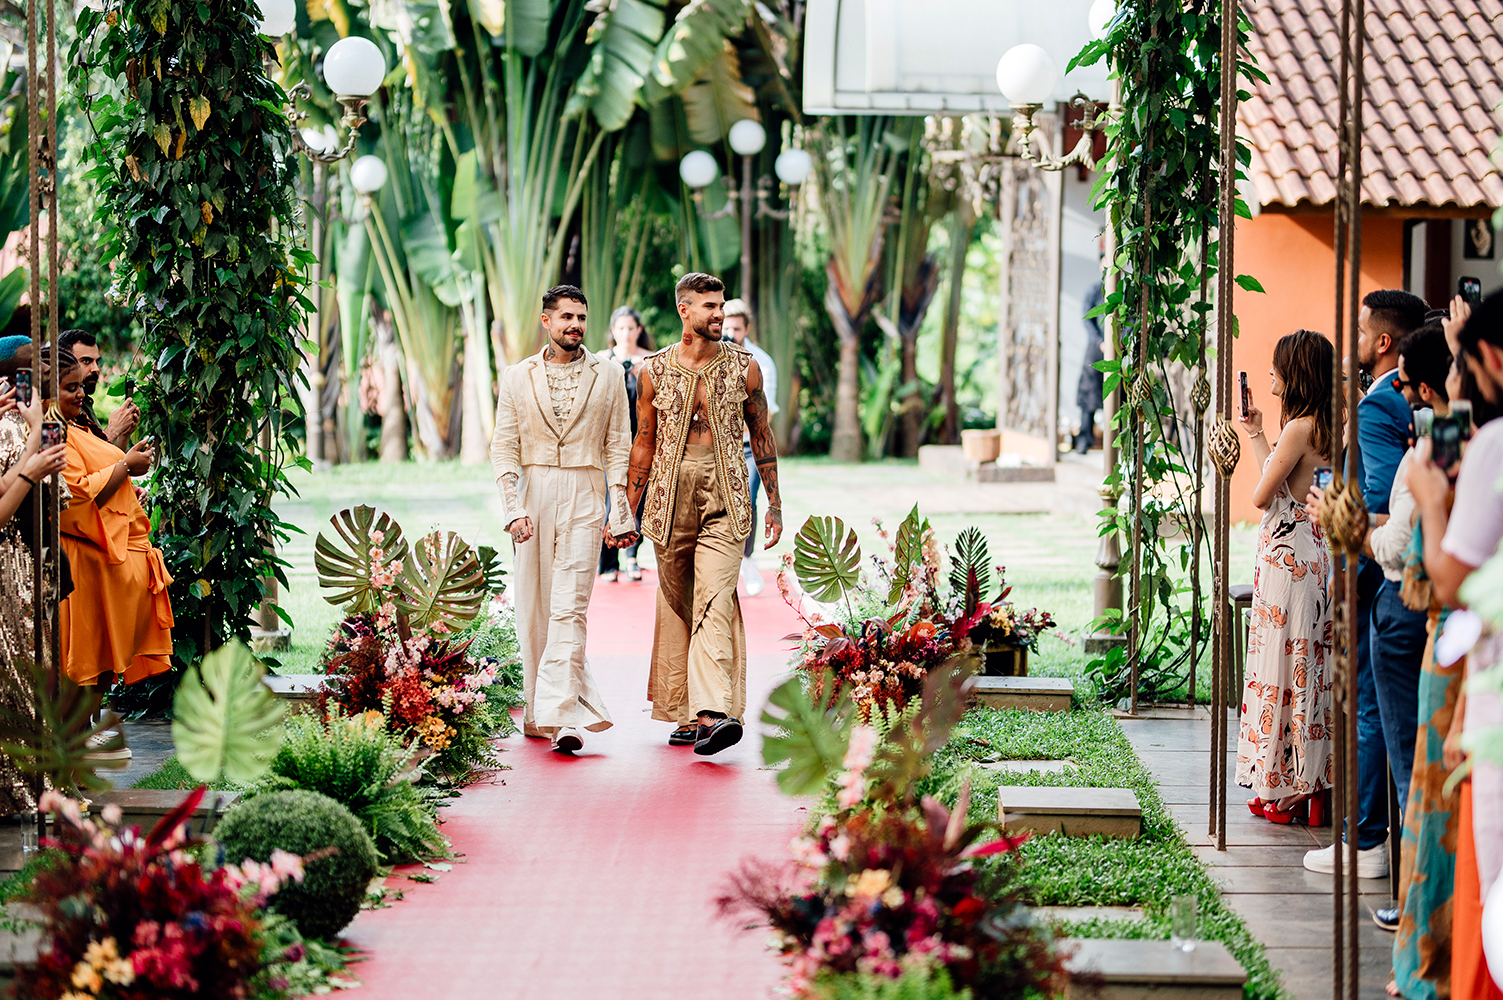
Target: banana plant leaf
{"x":53,"y":741}
{"x":623,"y":37}
{"x":226,"y":722}
{"x":811,"y":740}
{"x":527,"y":23}
{"x":347,"y":572}
{"x":718,"y":98}
{"x":441,"y":582}
{"x":827,"y":558}
{"x":970,"y":568}
{"x":908,"y":554}
{"x":696,"y":39}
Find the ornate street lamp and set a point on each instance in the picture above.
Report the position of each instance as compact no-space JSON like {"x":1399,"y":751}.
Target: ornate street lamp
{"x":746,"y":138}
{"x":353,"y":69}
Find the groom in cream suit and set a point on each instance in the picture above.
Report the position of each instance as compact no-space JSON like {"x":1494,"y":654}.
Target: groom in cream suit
{"x":561,"y":421}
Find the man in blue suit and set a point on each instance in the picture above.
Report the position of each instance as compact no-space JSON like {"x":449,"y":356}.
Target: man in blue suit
{"x":1386,"y":689}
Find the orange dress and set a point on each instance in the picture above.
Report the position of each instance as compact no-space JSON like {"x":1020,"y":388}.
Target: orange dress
{"x":119,"y":617}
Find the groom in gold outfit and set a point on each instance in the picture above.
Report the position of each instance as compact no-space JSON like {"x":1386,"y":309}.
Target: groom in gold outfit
{"x":693,"y":399}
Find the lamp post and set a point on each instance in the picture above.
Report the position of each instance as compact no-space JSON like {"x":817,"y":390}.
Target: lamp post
{"x":747,"y":138}
{"x":1027,"y":75}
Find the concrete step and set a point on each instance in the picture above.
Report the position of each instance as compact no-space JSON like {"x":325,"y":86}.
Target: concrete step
{"x":297,"y":691}
{"x":1028,"y":766}
{"x":1037,"y":694}
{"x":1103,"y":969}
{"x":1072,"y":810}
{"x":144,"y":807}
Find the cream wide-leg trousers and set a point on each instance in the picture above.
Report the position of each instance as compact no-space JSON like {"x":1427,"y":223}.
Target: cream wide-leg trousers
{"x":553,"y":574}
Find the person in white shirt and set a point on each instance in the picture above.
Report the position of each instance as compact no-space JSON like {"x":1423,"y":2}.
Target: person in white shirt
{"x":737,"y":328}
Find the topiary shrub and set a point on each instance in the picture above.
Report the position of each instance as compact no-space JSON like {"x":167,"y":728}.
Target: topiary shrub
{"x":304,"y":823}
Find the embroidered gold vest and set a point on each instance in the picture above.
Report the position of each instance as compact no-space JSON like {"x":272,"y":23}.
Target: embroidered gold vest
{"x":674,"y":388}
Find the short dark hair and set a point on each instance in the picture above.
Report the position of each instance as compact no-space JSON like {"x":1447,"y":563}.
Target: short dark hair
{"x":698,"y":282}
{"x":1396,"y":312}
{"x":553,"y":295}
{"x":1427,"y":359}
{"x":68,"y":338}
{"x":1485,"y":323}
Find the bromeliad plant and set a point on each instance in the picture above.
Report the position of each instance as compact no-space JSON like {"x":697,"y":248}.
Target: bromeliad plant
{"x":396,"y":651}
{"x":883,"y":883}
{"x":877,"y":637}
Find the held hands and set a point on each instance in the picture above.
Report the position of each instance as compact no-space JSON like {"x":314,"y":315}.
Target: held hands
{"x":39,"y":465}
{"x":138,"y":460}
{"x":521,"y":530}
{"x":774,"y":526}
{"x":625,"y":541}
{"x":1252,"y":420}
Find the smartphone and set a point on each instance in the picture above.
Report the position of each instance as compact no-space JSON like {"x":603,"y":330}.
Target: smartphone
{"x":1424,"y":419}
{"x":1445,"y":442}
{"x":1246,"y":396}
{"x":23,"y":387}
{"x":1462,"y":411}
{"x":1323,"y":476}
{"x":53,"y":434}
{"x":1470,"y":289}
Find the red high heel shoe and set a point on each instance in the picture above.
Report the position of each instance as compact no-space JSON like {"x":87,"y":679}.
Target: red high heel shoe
{"x":1311,"y":810}
{"x":1255,"y":806}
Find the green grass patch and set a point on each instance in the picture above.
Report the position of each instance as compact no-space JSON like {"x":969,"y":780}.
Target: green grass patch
{"x":1095,"y":871}
{"x":173,"y":776}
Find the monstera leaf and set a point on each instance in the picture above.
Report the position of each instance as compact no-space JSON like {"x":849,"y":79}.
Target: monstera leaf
{"x":826,"y":558}
{"x":908,"y":554}
{"x":491,"y":569}
{"x":970,"y":568}
{"x":226,"y":722}
{"x":54,"y":740}
{"x":810,"y":739}
{"x":441,"y":582}
{"x":348,"y":572}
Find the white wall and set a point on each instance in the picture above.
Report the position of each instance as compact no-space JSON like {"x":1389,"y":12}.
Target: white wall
{"x":1080,"y":269}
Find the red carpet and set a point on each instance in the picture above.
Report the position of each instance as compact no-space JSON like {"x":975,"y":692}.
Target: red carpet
{"x":592,"y":877}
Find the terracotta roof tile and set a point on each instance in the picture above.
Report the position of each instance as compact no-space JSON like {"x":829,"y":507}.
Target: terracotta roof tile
{"x":1431,"y":125}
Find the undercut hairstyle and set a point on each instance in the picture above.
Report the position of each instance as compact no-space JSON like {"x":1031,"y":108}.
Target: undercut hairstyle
{"x":558,"y":293}
{"x":1395,"y":312}
{"x":698,"y":283}
{"x":68,"y":338}
{"x":1485,"y":323}
{"x":1427,"y":359}
{"x":1303,"y":360}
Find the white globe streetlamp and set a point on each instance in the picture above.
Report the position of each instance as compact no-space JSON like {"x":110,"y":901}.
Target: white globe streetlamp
{"x":698,"y":169}
{"x":747,"y":137}
{"x":793,"y":167}
{"x":1026,"y":75}
{"x":354,"y":67}
{"x":1099,"y":18}
{"x":368,"y":174}
{"x":277,"y":17}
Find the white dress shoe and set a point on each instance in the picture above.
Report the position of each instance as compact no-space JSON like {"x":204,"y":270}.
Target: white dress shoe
{"x":1371,"y":863}
{"x":751,"y":576}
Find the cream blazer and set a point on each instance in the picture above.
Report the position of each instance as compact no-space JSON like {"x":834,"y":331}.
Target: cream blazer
{"x":597,"y":434}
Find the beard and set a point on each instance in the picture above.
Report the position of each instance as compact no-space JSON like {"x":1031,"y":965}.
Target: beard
{"x":90,"y":386}
{"x":703,"y":330}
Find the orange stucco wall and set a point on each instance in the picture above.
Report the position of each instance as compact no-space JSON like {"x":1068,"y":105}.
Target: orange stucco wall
{"x":1293,"y":256}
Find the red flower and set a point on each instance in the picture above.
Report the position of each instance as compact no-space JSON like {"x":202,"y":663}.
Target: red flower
{"x":968,"y":910}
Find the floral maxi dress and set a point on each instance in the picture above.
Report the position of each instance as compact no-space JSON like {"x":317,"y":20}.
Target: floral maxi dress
{"x":1284,"y":740}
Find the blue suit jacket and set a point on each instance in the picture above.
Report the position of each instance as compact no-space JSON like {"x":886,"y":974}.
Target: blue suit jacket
{"x":1383,"y":423}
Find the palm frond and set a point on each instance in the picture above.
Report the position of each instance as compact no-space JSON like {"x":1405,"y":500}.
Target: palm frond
{"x":970,"y":568}
{"x":53,"y":738}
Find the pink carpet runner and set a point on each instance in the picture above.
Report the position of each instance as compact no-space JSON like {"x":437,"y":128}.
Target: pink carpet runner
{"x":593,"y":876}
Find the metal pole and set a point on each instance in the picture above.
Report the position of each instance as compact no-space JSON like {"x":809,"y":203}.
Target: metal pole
{"x":746,"y":234}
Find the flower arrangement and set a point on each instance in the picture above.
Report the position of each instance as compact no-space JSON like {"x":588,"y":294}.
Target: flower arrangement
{"x":876,"y":636}
{"x":133,"y":917}
{"x":884,"y":884}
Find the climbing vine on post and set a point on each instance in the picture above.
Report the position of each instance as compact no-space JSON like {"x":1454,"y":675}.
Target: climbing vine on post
{"x":1160,"y":194}
{"x":193,"y":161}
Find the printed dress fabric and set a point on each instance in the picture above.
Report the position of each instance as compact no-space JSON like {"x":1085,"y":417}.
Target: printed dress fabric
{"x":1284,"y":740}
{"x":1427,"y":856}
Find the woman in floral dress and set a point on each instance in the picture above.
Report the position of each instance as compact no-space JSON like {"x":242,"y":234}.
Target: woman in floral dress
{"x":1284,"y":740}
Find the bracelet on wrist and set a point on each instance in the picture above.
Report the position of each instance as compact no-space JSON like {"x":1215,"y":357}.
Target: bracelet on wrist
{"x":27,"y":478}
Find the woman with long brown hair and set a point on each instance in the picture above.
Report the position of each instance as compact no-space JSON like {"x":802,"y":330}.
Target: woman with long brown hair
{"x":1284,"y":740}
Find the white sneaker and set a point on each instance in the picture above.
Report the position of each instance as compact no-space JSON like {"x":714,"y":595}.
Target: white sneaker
{"x":1371,"y":863}
{"x":568,"y":741}
{"x":100,"y":742}
{"x":751,"y":576}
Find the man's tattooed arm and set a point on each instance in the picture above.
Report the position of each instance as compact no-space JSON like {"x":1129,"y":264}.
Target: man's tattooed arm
{"x":764,"y":446}
{"x":639,"y":471}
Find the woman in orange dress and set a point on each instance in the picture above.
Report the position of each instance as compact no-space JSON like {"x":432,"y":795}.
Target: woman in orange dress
{"x":118,"y":620}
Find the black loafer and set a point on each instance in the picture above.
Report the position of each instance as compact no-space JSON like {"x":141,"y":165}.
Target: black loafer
{"x":1387,"y":918}
{"x":724,"y":733}
{"x":684,"y":736}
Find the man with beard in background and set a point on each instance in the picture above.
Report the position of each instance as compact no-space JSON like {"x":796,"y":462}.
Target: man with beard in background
{"x":82,"y":345}
{"x":693,"y":399}
{"x":561,"y":421}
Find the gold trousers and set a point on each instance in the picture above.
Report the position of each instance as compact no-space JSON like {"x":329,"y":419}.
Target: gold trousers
{"x":699,"y":642}
{"x":553,"y":574}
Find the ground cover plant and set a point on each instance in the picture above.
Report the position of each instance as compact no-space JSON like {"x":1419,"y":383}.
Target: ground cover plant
{"x":1093,"y":871}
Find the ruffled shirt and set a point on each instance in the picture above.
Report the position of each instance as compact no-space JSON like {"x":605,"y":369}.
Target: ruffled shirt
{"x":563,"y":386}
